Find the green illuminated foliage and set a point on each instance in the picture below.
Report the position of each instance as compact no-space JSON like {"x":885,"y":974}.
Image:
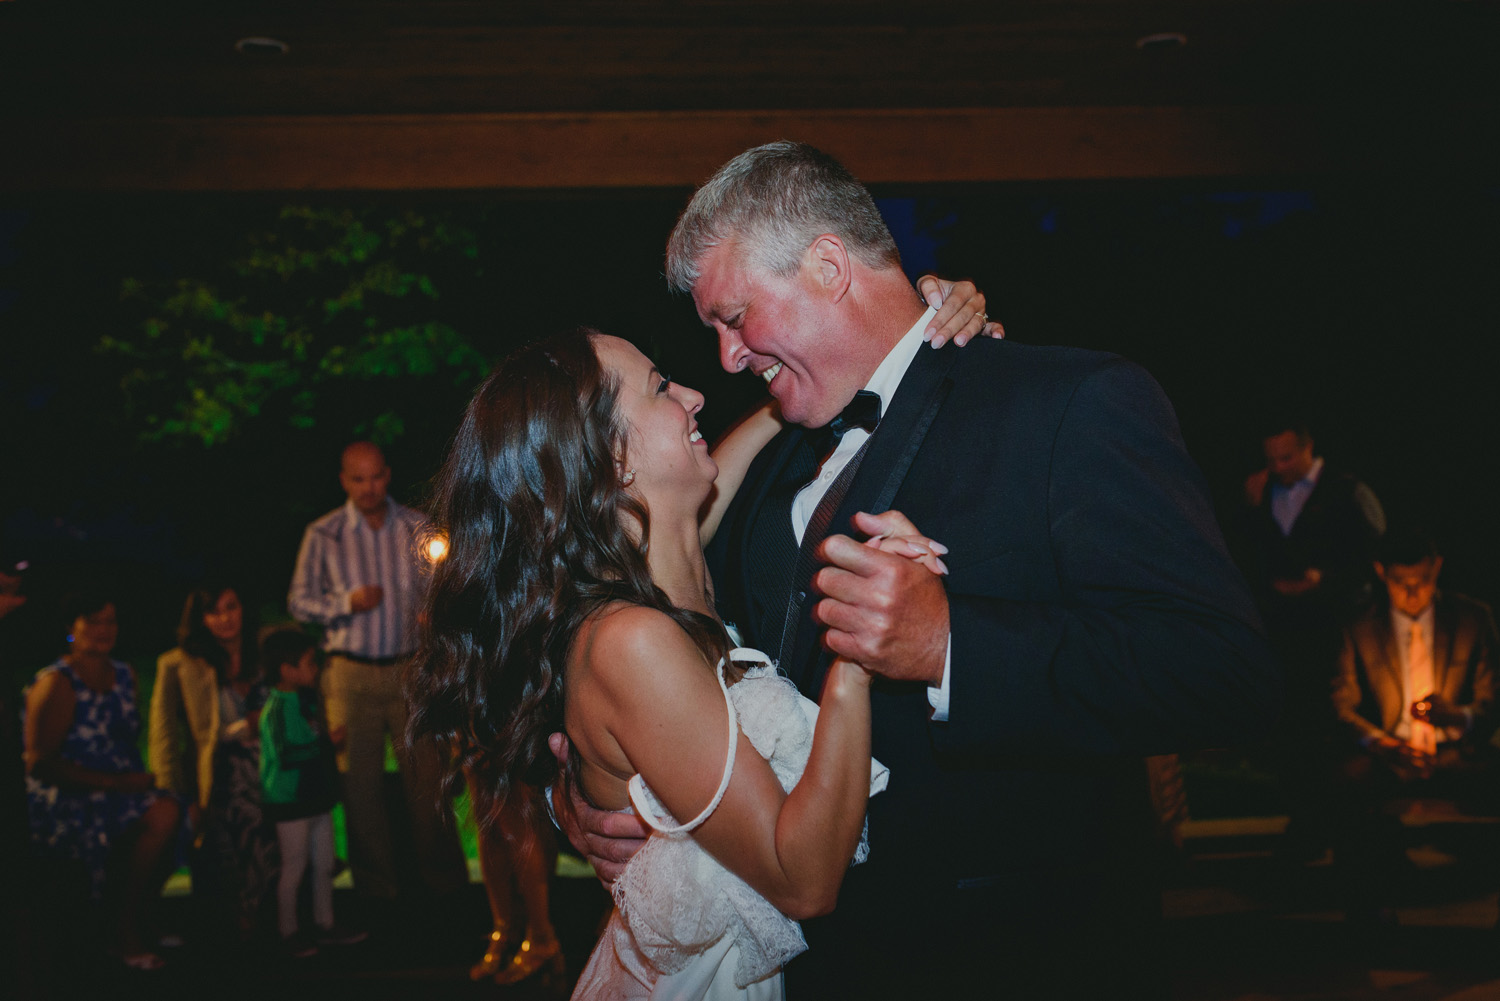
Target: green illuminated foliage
{"x":320,"y":315}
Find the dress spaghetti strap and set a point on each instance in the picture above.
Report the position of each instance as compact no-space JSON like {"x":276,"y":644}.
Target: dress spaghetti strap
{"x":638,"y":794}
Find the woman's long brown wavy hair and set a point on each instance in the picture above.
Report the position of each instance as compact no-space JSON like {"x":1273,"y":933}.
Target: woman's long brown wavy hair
{"x":536,"y":518}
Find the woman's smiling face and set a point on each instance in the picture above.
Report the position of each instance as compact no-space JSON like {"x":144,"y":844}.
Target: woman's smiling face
{"x":664,"y":449}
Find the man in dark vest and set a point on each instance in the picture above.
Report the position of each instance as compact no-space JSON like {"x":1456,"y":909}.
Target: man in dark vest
{"x":1312,"y":529}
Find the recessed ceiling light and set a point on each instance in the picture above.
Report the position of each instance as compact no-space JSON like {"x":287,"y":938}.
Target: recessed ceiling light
{"x":1162,"y":40}
{"x":259,"y":46}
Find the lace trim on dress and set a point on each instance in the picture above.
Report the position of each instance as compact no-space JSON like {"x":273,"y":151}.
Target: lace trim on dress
{"x":645,"y":805}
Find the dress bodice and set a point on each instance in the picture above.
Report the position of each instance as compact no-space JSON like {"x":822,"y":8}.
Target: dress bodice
{"x":677,"y":900}
{"x":106,"y":725}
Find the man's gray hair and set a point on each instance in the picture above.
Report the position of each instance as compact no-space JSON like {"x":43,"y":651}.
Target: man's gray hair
{"x":774,"y":200}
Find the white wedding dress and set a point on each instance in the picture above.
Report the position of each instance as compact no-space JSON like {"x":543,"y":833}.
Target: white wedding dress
{"x":684,"y":927}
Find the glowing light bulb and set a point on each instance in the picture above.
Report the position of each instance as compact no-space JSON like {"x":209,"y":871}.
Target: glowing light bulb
{"x":437,"y":548}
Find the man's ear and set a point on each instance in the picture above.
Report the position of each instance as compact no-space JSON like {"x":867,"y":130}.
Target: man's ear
{"x":1379,"y":570}
{"x":1437,"y":567}
{"x":827,"y":264}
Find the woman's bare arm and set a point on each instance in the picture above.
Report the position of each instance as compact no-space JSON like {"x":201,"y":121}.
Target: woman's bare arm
{"x":733,"y":453}
{"x":644,"y":700}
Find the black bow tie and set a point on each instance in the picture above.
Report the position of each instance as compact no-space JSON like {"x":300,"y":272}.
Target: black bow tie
{"x":862,"y":412}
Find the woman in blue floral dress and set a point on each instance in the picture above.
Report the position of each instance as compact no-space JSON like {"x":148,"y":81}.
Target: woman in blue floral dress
{"x":89,"y":796}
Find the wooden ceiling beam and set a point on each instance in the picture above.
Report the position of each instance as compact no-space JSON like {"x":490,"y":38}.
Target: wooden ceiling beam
{"x":488,"y":94}
{"x":670,"y":149}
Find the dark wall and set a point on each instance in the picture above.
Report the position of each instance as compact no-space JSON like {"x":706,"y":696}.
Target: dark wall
{"x":1367,"y":305}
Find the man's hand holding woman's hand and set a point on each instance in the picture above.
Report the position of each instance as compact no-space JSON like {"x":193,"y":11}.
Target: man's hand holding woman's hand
{"x":883,"y":610}
{"x":608,"y":840}
{"x":897,"y":535}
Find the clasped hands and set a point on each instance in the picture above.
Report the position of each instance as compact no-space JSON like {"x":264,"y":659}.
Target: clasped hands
{"x":883,"y":604}
{"x":884,"y":607}
{"x":1403,"y":757}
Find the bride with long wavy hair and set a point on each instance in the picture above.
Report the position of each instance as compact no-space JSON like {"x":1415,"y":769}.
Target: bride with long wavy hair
{"x":576,"y":499}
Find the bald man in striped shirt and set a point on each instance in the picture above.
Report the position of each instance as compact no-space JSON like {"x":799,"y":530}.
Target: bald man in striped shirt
{"x":359,"y":575}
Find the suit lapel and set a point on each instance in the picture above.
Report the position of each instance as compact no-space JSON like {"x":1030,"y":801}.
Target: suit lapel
{"x":896,"y":442}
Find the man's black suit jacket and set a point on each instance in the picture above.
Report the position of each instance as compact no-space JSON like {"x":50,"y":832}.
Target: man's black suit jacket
{"x":1095,"y":619}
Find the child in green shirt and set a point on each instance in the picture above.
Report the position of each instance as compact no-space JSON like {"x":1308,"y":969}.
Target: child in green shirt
{"x":299,"y":780}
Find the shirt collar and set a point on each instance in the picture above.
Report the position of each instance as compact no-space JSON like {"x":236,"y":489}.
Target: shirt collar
{"x":1403,"y":622}
{"x":892,"y":368}
{"x":352,"y":517}
{"x":1305,"y":484}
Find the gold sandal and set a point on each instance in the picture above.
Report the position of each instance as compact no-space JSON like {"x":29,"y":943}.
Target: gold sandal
{"x":495,"y":954}
{"x":531,"y":959}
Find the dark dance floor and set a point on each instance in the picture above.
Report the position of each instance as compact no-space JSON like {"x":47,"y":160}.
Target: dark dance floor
{"x":1240,"y":926}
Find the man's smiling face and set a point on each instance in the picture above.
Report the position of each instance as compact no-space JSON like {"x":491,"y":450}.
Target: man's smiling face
{"x":778,"y":328}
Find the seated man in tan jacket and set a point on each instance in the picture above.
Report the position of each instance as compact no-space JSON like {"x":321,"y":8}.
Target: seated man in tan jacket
{"x":1415,"y":693}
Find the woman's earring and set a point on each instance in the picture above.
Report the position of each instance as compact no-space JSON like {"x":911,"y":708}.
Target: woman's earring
{"x":627,"y":478}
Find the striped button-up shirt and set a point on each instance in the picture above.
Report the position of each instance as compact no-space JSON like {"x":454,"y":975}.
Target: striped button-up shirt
{"x":341,"y":553}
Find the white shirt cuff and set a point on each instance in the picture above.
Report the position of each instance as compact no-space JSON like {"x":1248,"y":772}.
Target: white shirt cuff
{"x":938,"y":697}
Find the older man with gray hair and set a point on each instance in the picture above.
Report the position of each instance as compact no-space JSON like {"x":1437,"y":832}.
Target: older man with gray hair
{"x":1091,"y":616}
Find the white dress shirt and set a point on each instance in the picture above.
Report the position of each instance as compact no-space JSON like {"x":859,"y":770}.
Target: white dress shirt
{"x":1401,"y":626}
{"x":885,"y":381}
{"x":1287,"y":502}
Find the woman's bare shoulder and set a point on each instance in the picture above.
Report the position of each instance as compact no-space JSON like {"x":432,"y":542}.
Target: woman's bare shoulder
{"x":627,"y":638}
{"x":632,"y":650}
{"x":50,"y":683}
{"x":630,"y":672}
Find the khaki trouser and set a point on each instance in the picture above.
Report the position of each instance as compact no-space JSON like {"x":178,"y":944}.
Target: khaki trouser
{"x":366,"y":699}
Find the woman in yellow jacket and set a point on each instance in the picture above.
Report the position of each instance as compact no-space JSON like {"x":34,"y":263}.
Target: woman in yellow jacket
{"x":204,"y":745}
